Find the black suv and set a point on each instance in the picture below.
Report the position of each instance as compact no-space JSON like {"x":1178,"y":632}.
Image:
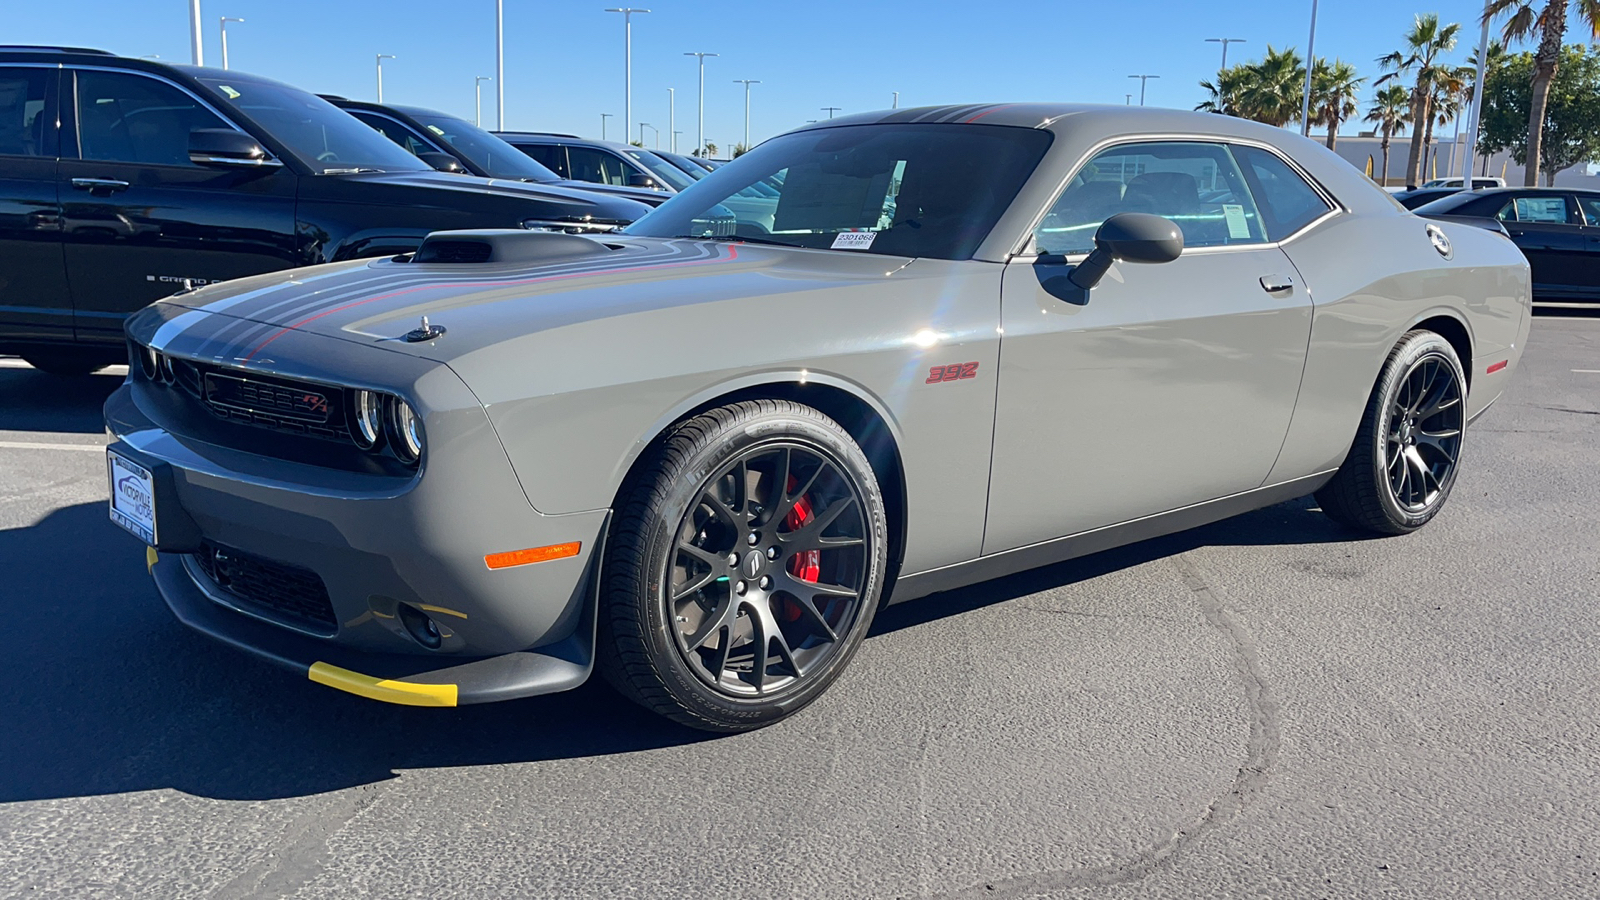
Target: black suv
{"x":599,"y":162}
{"x":429,"y":135}
{"x":123,"y":181}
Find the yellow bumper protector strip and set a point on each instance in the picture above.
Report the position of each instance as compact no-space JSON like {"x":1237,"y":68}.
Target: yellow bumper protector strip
{"x":440,"y":609}
{"x":150,"y":557}
{"x":404,"y":693}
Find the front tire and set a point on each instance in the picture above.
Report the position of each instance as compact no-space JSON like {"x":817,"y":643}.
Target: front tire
{"x":1403,"y":463}
{"x":744,"y":566}
{"x":66,"y":363}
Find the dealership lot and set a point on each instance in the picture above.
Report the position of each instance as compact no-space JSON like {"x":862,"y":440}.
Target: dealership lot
{"x":1264,"y":706}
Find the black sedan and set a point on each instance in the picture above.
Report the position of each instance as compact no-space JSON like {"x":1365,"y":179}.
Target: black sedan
{"x":1558,"y":230}
{"x":1417,"y":197}
{"x":430,"y":135}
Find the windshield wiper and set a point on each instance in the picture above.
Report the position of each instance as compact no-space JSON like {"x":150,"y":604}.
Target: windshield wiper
{"x":743,"y":239}
{"x":357,"y":170}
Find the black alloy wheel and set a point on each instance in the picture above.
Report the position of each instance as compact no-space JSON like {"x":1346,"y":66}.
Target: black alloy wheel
{"x":1407,"y":450}
{"x":745,"y":562}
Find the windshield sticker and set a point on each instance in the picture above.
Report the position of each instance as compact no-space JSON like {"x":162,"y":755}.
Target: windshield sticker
{"x":1237,"y":226}
{"x":232,"y":94}
{"x":436,"y":130}
{"x":854,"y":240}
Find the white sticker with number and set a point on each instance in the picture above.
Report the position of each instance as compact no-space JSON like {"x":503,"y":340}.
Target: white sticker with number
{"x":854,"y":240}
{"x":1237,"y":226}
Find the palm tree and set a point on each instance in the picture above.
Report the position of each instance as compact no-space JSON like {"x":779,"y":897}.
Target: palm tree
{"x":1424,"y":44}
{"x":1391,"y":110}
{"x":1334,"y":88}
{"x":1449,"y":98}
{"x":1269,"y":90}
{"x":1224,"y":91}
{"x":1551,"y":23}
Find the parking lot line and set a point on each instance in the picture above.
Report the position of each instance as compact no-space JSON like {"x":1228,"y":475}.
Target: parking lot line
{"x":1587,"y":371}
{"x":27,"y":445}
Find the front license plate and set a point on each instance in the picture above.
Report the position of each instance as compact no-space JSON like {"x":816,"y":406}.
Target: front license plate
{"x":133,"y":496}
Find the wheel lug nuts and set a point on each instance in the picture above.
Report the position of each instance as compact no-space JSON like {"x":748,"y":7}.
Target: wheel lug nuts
{"x":753,"y":538}
{"x":733,"y":559}
{"x":739,"y":588}
{"x":772,"y":553}
{"x":766,"y":582}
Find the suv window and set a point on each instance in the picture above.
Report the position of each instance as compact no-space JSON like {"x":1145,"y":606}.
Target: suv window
{"x":136,"y":119}
{"x":551,"y":156}
{"x":1591,"y":208}
{"x":1196,"y":185}
{"x":1539,"y":210}
{"x":22,"y":119}
{"x":1287,"y":200}
{"x":596,"y":166}
{"x":393,"y":130}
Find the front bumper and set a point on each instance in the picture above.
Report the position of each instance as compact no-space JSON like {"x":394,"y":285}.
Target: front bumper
{"x":376,"y":542}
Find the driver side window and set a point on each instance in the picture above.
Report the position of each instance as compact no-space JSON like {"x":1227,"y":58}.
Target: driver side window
{"x":1196,"y":185}
{"x":135,"y":119}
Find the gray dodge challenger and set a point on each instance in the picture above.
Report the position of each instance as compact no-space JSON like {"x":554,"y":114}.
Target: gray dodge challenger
{"x":872,"y":359}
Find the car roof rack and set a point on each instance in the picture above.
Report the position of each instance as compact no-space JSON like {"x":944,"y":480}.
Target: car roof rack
{"x":42,"y":48}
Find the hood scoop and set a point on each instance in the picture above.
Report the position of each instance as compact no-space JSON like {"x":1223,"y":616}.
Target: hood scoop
{"x":505,"y":245}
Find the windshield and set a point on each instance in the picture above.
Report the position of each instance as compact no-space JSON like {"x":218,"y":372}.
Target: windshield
{"x":316,"y":130}
{"x":491,"y":154}
{"x":902,"y":190}
{"x":669,"y":174}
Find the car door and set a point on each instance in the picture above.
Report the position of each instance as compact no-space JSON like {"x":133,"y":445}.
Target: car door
{"x":1548,"y":228}
{"x":141,"y":219}
{"x":34,"y":301}
{"x":599,"y":166}
{"x":1589,"y":206}
{"x":1164,"y":386}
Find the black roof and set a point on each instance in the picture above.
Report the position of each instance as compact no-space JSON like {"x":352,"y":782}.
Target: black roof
{"x":40,"y":48}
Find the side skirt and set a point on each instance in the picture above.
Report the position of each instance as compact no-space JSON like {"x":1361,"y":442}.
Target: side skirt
{"x":1007,"y":562}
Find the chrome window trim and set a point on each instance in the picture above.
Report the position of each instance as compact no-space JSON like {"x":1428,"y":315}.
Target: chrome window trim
{"x":1025,"y":248}
{"x":77,"y":122}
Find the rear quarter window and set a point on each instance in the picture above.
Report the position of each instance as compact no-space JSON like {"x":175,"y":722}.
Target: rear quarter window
{"x":1287,"y":201}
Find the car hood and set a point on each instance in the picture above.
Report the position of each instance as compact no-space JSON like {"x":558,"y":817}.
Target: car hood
{"x":441,"y":185}
{"x":376,"y":302}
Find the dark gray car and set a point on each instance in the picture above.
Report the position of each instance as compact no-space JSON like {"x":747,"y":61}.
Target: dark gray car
{"x":700,"y":455}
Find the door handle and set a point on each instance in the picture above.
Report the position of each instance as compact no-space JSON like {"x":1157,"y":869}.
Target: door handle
{"x":1277,"y":284}
{"x":109,"y":185}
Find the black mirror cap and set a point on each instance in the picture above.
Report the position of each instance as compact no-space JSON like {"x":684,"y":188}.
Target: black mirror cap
{"x":1140,"y":238}
{"x":224,"y":146}
{"x":642,"y":181}
{"x":443,"y":162}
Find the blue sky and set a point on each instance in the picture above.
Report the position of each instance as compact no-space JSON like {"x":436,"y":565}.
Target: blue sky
{"x":564,"y":57}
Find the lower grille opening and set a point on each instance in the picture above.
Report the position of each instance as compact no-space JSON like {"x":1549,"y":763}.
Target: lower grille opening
{"x":286,"y":592}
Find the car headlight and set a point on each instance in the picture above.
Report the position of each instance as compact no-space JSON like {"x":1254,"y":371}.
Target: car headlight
{"x":366,"y":418}
{"x":405,"y":430}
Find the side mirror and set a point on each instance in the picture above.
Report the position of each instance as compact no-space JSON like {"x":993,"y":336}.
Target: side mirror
{"x":641,"y":180}
{"x":1129,"y":237}
{"x":442,"y":162}
{"x":225,"y":147}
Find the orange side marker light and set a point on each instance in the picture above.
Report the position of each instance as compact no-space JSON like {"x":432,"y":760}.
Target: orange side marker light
{"x":532,"y":555}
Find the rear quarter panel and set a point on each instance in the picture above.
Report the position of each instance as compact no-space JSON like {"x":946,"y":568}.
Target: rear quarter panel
{"x":1372,"y":278}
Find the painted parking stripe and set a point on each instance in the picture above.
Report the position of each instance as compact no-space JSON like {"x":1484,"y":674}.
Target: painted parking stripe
{"x":1587,"y":371}
{"x":29,"y":445}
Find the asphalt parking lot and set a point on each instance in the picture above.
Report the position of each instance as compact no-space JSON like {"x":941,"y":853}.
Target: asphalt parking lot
{"x":1263,"y":707}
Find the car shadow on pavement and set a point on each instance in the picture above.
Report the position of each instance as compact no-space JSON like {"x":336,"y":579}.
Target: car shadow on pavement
{"x":31,"y":400}
{"x":104,"y":692}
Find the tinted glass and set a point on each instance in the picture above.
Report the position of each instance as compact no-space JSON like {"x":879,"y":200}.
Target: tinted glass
{"x":394,"y":131}
{"x":1196,"y":185}
{"x":904,"y":190}
{"x":550,"y":156}
{"x":1287,"y":200}
{"x":1591,"y":209}
{"x":135,"y":119}
{"x":596,"y":166}
{"x":320,"y":133}
{"x":661,"y":170}
{"x":22,"y":119}
{"x":491,"y":154}
{"x":1546,"y":210}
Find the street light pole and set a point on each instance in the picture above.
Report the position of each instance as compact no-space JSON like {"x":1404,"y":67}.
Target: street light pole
{"x":830,"y":110}
{"x":477,"y":99}
{"x":1128,"y":101}
{"x":1142,"y":80}
{"x":627,"y":66}
{"x":702,"y":58}
{"x":657,"y":131}
{"x":896,"y":104}
{"x":603,"y":118}
{"x":672,"y":118}
{"x":381,"y":58}
{"x":499,"y":65}
{"x":746,"y":82}
{"x":225,"y":21}
{"x":197,"y":48}
{"x":1311,"y":64}
{"x":1477,"y":103}
{"x":1224,"y":42}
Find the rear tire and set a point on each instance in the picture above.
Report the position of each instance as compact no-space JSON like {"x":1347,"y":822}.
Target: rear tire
{"x":1403,"y":462}
{"x":754,"y":525}
{"x":66,"y":363}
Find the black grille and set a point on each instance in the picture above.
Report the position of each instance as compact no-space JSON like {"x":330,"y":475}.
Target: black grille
{"x":287,"y":592}
{"x":293,"y":407}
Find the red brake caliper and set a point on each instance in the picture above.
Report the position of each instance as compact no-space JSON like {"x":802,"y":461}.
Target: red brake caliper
{"x":807,"y":564}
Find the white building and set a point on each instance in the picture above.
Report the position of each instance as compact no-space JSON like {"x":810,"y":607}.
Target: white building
{"x":1358,"y":150}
